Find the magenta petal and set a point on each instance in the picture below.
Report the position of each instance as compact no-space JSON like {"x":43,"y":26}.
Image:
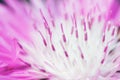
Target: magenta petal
{"x":114,"y":11}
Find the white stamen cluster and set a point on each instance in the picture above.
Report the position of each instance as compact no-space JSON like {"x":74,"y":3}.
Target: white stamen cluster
{"x":74,"y":49}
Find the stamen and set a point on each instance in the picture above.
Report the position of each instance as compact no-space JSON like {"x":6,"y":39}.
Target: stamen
{"x":85,"y":36}
{"x":105,"y":49}
{"x":76,"y":33}
{"x":82,"y":56}
{"x":65,"y":52}
{"x":44,"y":41}
{"x":102,"y":61}
{"x":64,"y":38}
{"x":72,"y":30}
{"x":113,"y":32}
{"x":53,"y":48}
{"x":53,"y":23}
{"x":103,"y":38}
{"x":75,"y":22}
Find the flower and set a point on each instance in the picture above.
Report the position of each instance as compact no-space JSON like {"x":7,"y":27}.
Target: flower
{"x":59,"y":40}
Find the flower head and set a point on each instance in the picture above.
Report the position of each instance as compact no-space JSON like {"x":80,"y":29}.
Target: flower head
{"x":59,"y":40}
